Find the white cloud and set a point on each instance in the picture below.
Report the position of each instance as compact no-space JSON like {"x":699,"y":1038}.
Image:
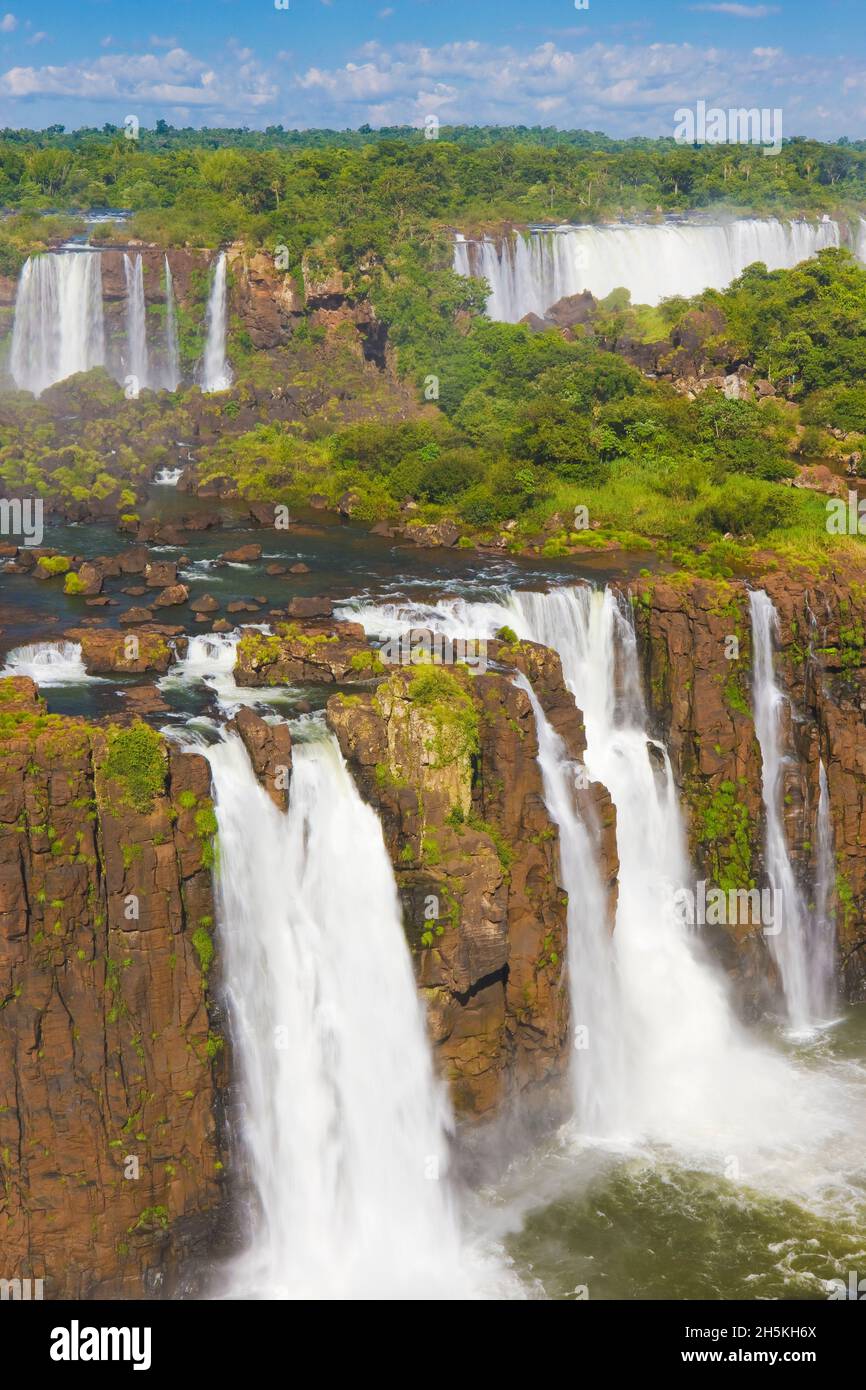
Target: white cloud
{"x":165,"y":80}
{"x":740,"y":11}
{"x":8,"y":23}
{"x":622,"y":88}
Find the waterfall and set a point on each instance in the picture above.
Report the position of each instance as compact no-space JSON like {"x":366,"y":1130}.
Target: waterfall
{"x":216,"y":372}
{"x":824,"y":954}
{"x":136,"y":322}
{"x":597,"y":1059}
{"x":171,"y":367}
{"x":691,"y":1076}
{"x":529,"y":273}
{"x":790,"y":945}
{"x":58,"y":327}
{"x":168,"y":477}
{"x":344,"y":1124}
{"x":801,"y":947}
{"x":48,"y":663}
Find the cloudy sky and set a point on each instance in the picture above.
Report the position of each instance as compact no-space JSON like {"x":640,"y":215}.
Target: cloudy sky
{"x":622,"y":66}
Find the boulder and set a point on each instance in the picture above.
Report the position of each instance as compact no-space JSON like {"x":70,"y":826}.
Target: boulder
{"x":270,"y":751}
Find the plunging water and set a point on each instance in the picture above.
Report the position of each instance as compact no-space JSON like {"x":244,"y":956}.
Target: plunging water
{"x":136,"y":323}
{"x":171,"y":365}
{"x":58,"y":327}
{"x":597,"y":1042}
{"x":528,"y":274}
{"x":344,"y":1125}
{"x":721,"y":1131}
{"x":216,"y":373}
{"x":800,"y":946}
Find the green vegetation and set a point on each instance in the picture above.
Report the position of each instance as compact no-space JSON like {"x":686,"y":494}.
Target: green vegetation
{"x":441,"y":694}
{"x":724,"y":832}
{"x":136,"y":761}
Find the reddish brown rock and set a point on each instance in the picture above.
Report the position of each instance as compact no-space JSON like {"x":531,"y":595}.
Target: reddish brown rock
{"x":109,"y":1072}
{"x":172,"y":597}
{"x":105,"y":652}
{"x":270,"y":751}
{"x":244,"y":555}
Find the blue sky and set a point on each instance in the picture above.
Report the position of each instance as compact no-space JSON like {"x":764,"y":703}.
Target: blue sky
{"x":622,"y":66}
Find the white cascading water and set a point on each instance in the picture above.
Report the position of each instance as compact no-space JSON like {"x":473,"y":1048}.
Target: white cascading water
{"x":597,"y":1058}
{"x":48,"y":663}
{"x":171,"y":365}
{"x":686,"y":1056}
{"x":824,"y":950}
{"x":344,"y":1124}
{"x":790,"y":944}
{"x":136,"y":362}
{"x":216,"y":373}
{"x":168,"y":477}
{"x":529,"y":273}
{"x":58,"y":327}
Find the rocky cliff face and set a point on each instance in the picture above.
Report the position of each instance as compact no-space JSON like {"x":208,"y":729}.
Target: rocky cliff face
{"x":450,"y":763}
{"x":110,"y":1168}
{"x":695,"y":639}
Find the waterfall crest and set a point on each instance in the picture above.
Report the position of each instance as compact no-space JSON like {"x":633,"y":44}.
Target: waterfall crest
{"x":800,"y":946}
{"x":345,"y":1126}
{"x":136,"y":322}
{"x":216,"y":372}
{"x":58,"y":327}
{"x":529,"y":273}
{"x":171,"y":366}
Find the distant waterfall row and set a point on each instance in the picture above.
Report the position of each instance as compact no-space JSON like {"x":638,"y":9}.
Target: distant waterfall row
{"x":60,"y":326}
{"x":528,"y":273}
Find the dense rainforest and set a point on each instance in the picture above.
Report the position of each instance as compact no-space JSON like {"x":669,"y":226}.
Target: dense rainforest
{"x":510,"y":427}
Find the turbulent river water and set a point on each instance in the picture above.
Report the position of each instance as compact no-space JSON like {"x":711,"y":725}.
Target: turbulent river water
{"x":703,"y":1158}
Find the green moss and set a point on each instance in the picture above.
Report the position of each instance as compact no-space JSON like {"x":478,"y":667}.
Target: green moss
{"x":136,"y":762}
{"x":203,"y":943}
{"x":725,"y":832}
{"x":187,"y":800}
{"x":445,"y":701}
{"x":367,"y":661}
{"x":73,"y":585}
{"x":54,"y":564}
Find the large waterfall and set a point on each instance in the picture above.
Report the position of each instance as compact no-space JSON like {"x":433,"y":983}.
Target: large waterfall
{"x":136,"y":324}
{"x":803,"y":942}
{"x":529,"y":273}
{"x":216,"y":372}
{"x":344,"y":1124}
{"x":689,"y":1074}
{"x":171,"y":366}
{"x":58,"y":326}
